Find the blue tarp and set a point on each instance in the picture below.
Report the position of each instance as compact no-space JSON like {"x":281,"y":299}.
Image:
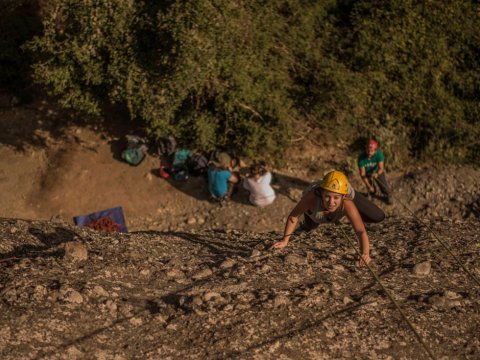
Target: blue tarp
{"x":104,"y":220}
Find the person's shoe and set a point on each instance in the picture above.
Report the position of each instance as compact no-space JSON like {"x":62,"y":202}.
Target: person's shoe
{"x":163,"y":173}
{"x":215,"y":199}
{"x":225,"y":200}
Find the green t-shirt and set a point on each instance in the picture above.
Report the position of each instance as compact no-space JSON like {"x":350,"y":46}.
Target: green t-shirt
{"x":370,"y":165}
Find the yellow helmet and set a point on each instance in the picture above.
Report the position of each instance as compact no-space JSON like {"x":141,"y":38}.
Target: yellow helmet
{"x":335,"y":181}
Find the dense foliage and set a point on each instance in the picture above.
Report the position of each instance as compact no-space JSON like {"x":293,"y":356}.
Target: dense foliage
{"x":239,"y":73}
{"x":18,"y":23}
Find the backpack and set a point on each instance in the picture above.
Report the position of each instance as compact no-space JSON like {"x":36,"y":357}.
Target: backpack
{"x":197,"y":165}
{"x":133,"y":156}
{"x":180,"y":172}
{"x":166,"y":146}
{"x":181,"y":156}
{"x":136,"y":146}
{"x":134,"y":141}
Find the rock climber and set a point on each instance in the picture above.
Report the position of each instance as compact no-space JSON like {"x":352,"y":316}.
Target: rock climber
{"x":328,"y":201}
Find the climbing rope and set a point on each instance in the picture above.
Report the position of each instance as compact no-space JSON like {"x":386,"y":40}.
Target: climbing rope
{"x":392,"y":299}
{"x":444,"y":245}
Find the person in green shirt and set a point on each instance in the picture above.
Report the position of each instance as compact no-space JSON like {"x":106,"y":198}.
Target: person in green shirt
{"x":371,"y":164}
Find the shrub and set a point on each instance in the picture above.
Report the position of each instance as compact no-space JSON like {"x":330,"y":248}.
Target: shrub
{"x":18,"y":23}
{"x":232,"y":73}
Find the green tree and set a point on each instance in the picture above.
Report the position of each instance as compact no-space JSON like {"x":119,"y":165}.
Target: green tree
{"x":208,"y":72}
{"x":404,"y":70}
{"x":18,"y":23}
{"x":239,"y":73}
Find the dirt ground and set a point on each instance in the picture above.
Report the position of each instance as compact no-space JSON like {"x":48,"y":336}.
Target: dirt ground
{"x":49,"y":171}
{"x":52,"y":166}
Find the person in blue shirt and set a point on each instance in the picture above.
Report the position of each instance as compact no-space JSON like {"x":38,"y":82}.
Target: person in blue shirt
{"x":371,"y":165}
{"x":221,"y":178}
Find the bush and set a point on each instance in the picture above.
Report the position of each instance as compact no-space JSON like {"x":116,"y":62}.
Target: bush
{"x":237,"y":74}
{"x":207,"y":74}
{"x":403,"y":71}
{"x":18,"y":23}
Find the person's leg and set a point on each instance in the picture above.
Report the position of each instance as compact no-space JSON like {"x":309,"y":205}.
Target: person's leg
{"x":383,"y":184}
{"x":215,"y":199}
{"x":369,"y":212}
{"x":372,"y":184}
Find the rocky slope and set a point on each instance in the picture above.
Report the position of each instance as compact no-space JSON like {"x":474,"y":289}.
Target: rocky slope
{"x":72,"y":293}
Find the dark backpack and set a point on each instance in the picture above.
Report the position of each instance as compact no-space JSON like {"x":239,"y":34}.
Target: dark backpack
{"x":197,"y":165}
{"x":134,"y":141}
{"x":180,"y":172}
{"x":166,"y":146}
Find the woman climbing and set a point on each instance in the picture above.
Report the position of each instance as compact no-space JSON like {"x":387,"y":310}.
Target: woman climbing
{"x":328,"y":201}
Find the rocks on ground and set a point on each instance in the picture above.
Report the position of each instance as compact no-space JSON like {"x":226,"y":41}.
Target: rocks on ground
{"x":70,"y":292}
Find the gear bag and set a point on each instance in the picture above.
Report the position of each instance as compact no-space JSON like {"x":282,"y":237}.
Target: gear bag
{"x":133,"y":156}
{"x":197,"y":165}
{"x":135,"y":149}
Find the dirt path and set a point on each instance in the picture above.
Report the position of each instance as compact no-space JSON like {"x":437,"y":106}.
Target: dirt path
{"x":49,"y":170}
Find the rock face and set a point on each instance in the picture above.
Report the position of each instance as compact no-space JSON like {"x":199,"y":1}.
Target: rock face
{"x":423,"y":268}
{"x":76,"y":251}
{"x":67,"y":293}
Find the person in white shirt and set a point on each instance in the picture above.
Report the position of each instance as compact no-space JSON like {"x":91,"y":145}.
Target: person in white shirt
{"x":258,"y":184}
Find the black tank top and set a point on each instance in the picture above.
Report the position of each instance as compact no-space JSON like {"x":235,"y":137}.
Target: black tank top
{"x":320,"y":216}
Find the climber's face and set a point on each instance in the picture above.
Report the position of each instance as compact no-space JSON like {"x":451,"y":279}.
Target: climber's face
{"x":331,"y":200}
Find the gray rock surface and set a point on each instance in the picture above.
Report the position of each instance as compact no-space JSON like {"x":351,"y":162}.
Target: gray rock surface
{"x":423,"y":268}
{"x":201,"y":295}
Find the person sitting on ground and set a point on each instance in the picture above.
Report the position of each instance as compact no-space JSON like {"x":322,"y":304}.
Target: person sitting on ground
{"x":221,"y":178}
{"x":371,"y":164}
{"x":258,"y":184}
{"x":328,"y":201}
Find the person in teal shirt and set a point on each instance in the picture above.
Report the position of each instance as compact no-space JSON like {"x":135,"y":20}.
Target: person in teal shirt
{"x":371,"y":164}
{"x":221,"y":178}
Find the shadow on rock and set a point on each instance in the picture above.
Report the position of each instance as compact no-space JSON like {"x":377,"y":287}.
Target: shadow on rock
{"x":289,"y":186}
{"x":49,"y":241}
{"x":299,"y":330}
